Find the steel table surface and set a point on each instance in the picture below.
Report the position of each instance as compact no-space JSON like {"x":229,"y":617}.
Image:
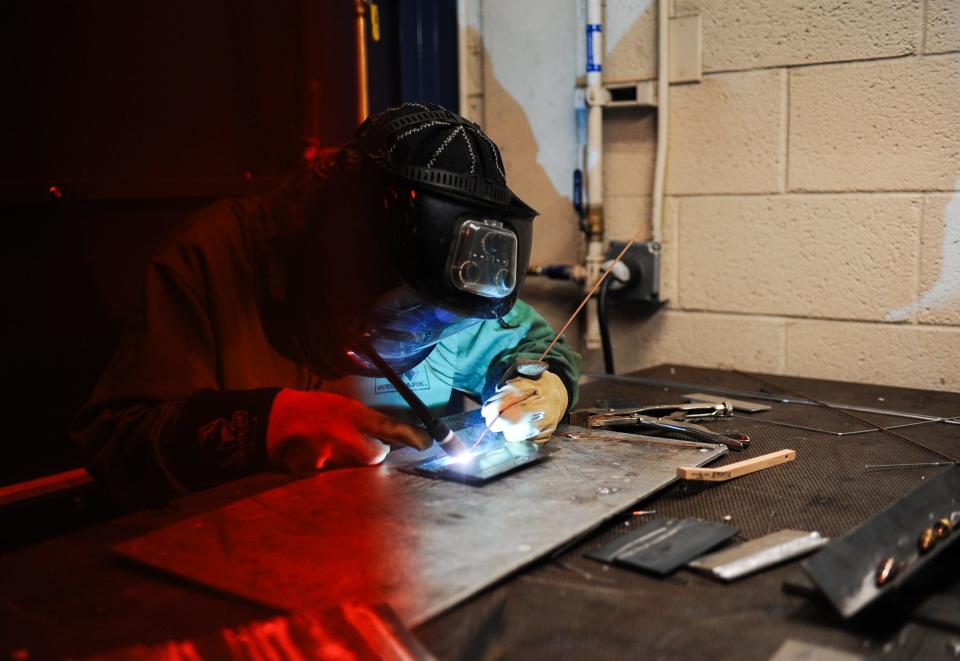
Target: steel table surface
{"x":75,"y":595}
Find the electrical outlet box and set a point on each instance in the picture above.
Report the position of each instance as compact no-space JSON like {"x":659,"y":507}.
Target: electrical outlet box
{"x":643,"y":260}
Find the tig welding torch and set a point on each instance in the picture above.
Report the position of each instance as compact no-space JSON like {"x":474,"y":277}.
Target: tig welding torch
{"x":449,"y":442}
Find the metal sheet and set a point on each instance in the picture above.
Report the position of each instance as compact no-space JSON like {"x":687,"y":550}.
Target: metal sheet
{"x":757,"y":554}
{"x":661,"y":546}
{"x":379,"y":535}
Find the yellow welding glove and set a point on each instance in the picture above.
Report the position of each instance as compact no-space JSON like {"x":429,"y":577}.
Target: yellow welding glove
{"x":527,"y":409}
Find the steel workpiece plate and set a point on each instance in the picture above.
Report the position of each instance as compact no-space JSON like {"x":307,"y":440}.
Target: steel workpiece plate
{"x":487,"y":457}
{"x":422,"y":545}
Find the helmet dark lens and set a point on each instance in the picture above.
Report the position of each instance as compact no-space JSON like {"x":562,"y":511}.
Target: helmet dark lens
{"x":469,"y":272}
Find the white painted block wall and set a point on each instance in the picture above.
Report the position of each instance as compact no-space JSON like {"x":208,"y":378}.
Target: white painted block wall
{"x":813,"y":219}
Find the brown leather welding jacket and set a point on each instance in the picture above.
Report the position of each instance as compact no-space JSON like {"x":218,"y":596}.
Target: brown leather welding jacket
{"x":183,"y":402}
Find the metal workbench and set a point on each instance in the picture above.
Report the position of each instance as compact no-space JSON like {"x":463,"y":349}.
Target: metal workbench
{"x":74,"y":595}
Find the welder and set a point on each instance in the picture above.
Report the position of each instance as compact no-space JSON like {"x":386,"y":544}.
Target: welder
{"x":248,"y":348}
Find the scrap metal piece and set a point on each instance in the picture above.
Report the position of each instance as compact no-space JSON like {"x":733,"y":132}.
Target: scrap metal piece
{"x":758,"y":554}
{"x":661,"y":546}
{"x":856,"y":569}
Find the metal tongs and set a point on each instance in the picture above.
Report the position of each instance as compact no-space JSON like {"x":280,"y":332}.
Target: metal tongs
{"x":665,"y":417}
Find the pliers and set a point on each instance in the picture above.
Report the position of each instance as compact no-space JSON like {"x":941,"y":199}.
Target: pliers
{"x":665,"y":417}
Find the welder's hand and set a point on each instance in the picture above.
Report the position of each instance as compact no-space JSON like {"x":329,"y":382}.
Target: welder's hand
{"x":527,"y":409}
{"x":308,"y":431}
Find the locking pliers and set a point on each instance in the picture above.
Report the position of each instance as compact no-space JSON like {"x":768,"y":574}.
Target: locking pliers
{"x":665,"y":417}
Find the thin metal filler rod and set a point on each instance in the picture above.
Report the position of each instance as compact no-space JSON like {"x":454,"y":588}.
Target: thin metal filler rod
{"x":853,"y":432}
{"x":847,"y":412}
{"x":769,"y":397}
{"x":573,"y":316}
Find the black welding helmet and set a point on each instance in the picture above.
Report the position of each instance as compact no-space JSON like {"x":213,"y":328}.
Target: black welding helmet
{"x":457,"y":237}
{"x":446,"y":243}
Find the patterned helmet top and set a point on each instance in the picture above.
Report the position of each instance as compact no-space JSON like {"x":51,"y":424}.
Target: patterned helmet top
{"x":435,"y":148}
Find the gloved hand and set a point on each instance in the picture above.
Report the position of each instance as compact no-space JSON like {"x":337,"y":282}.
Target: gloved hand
{"x":527,"y":409}
{"x":308,"y":431}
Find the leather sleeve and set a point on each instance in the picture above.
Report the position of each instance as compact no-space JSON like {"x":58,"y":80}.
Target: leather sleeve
{"x":158,"y":423}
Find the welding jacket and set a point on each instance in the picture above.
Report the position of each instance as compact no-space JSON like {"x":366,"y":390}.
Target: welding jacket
{"x":185,"y":399}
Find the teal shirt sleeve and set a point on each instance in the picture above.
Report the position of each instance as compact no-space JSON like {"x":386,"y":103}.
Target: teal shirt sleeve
{"x":479,"y":356}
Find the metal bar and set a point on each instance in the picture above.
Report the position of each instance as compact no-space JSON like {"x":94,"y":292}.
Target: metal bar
{"x":920,"y":465}
{"x":818,"y":430}
{"x":891,"y":427}
{"x":43,"y":486}
{"x":360,"y":22}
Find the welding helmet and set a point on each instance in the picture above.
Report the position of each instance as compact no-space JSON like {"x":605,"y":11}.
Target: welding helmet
{"x":446,"y":243}
{"x":457,"y":238}
{"x":407,"y":235}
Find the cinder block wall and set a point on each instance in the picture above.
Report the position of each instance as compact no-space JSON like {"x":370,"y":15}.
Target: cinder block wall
{"x":813,"y":221}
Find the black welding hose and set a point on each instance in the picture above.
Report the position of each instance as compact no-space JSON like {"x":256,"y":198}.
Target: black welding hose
{"x":604,"y":327}
{"x":437,"y":429}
